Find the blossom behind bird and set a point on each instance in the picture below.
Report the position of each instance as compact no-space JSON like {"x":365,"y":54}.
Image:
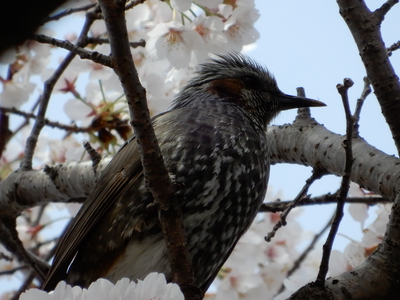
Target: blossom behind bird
{"x":214,"y":144}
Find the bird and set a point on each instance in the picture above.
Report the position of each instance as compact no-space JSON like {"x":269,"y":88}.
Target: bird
{"x":213,"y":141}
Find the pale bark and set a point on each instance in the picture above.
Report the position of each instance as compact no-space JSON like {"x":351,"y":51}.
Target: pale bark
{"x":68,"y":182}
{"x":308,"y":143}
{"x":304,"y":142}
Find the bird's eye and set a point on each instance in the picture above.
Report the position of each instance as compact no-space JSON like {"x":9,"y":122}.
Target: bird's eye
{"x":251,"y":82}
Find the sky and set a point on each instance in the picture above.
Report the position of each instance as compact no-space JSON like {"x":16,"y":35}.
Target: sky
{"x":308,"y":44}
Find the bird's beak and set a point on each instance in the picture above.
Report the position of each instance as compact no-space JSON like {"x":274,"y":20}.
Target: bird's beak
{"x":289,"y":102}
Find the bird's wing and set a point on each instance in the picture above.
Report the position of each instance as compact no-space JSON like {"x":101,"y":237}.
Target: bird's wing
{"x":124,"y":167}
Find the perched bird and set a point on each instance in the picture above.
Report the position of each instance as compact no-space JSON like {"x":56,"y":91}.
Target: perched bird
{"x":214,"y":144}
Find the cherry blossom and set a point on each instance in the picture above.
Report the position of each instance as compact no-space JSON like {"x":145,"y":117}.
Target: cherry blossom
{"x":181,"y":5}
{"x":174,"y":42}
{"x":154,"y":286}
{"x":239,"y":25}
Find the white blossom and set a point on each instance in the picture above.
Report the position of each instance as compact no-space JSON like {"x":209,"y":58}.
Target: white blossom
{"x":174,"y":42}
{"x":181,"y":5}
{"x":153,"y":287}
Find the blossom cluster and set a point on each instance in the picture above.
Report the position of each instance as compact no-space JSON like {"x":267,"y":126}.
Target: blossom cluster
{"x":259,"y":270}
{"x":154,"y":287}
{"x":178,"y":36}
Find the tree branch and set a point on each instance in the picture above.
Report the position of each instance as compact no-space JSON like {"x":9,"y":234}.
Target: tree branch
{"x":365,"y":28}
{"x":73,"y":181}
{"x":76,"y":49}
{"x":394,"y":47}
{"x":154,"y":169}
{"x":26,"y":163}
{"x":282,"y":221}
{"x":384,"y":9}
{"x":310,"y":247}
{"x":311,"y":144}
{"x":47,"y":122}
{"x":344,"y":186}
{"x":278,"y":206}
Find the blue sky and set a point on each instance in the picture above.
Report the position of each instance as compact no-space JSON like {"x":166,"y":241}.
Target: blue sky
{"x":307,"y":44}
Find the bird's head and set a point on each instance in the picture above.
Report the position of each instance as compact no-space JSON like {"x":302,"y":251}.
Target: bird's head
{"x":237,"y":79}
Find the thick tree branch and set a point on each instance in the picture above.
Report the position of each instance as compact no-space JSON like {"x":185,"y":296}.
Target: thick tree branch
{"x":311,"y":144}
{"x":154,"y":169}
{"x":379,"y":274}
{"x":305,"y":143}
{"x":365,"y":28}
{"x":69,"y":182}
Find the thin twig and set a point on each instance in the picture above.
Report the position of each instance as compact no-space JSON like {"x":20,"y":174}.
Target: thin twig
{"x":5,"y":133}
{"x":31,"y":276}
{"x":384,"y":9}
{"x":94,"y":155}
{"x":13,"y":270}
{"x":26,"y":121}
{"x":53,"y":124}
{"x":99,"y":41}
{"x":78,"y":50}
{"x":41,"y":209}
{"x":345,"y":184}
{"x":364,"y":94}
{"x":10,"y":240}
{"x":27,"y":282}
{"x":26,"y":162}
{"x":69,"y":12}
{"x":393,"y":48}
{"x":303,"y":112}
{"x":282,"y":222}
{"x":133,"y":3}
{"x":303,"y":256}
{"x":278,"y":206}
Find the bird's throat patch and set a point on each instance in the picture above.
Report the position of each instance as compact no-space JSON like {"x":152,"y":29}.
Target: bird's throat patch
{"x":226,"y":87}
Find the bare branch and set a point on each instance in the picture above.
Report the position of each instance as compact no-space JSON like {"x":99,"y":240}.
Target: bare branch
{"x":345,"y":184}
{"x":5,"y":133}
{"x":393,"y":48}
{"x":302,"y":257}
{"x":9,"y":238}
{"x":381,"y":12}
{"x":154,"y":169}
{"x":282,"y":222}
{"x":26,"y":163}
{"x":365,"y":28}
{"x":69,"y":12}
{"x":99,"y":41}
{"x":278,"y":206}
{"x":94,"y":155}
{"x":53,"y":124}
{"x":82,"y":53}
{"x":366,"y":91}
{"x":13,"y":270}
{"x":132,"y":3}
{"x":24,"y":286}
